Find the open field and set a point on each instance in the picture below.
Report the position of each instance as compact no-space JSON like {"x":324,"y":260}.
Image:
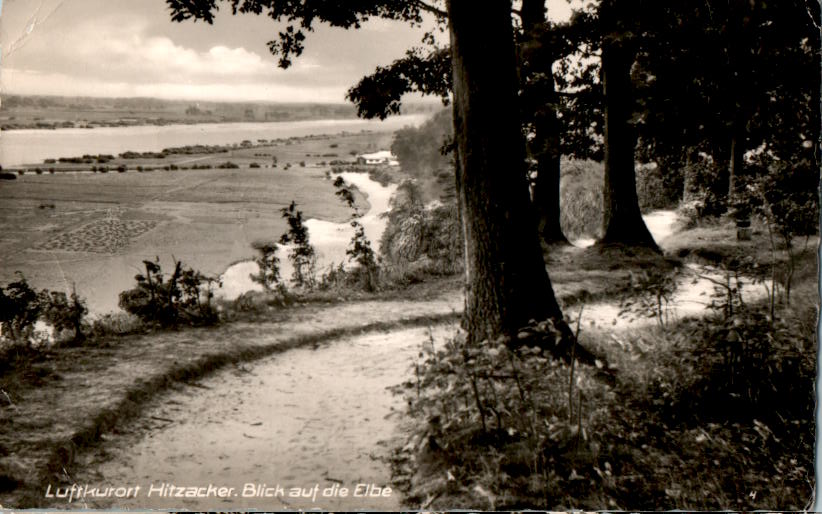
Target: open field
{"x":96,"y":228}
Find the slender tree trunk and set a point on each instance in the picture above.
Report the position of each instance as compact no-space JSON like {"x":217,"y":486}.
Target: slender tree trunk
{"x":735,"y":168}
{"x":506,"y":282}
{"x":547,"y":198}
{"x":546,"y":195}
{"x":691,"y":188}
{"x":622,"y":220}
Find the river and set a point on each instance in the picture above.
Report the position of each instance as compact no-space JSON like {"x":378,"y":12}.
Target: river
{"x":32,"y":146}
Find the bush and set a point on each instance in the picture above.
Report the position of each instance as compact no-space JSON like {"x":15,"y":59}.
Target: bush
{"x":65,"y":313}
{"x":179,"y":298}
{"x":20,"y":308}
{"x":415,"y":234}
{"x":301,"y":253}
{"x":116,"y":324}
{"x":657,"y":188}
{"x":503,"y":420}
{"x":269,"y":265}
{"x":581,"y":199}
{"x":253,"y":165}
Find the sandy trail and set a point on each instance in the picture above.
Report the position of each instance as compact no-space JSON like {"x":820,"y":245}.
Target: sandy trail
{"x":307,"y":418}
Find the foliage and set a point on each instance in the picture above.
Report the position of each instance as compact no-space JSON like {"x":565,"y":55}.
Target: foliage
{"x":497,"y":419}
{"x":427,"y":72}
{"x":657,"y":188}
{"x":65,"y":312}
{"x":182,"y":297}
{"x":20,"y":308}
{"x":302,"y":17}
{"x":268,"y":263}
{"x":359,"y":249}
{"x":785,"y":196}
{"x":419,"y":149}
{"x":416,"y":234}
{"x":581,"y":199}
{"x":301,"y":253}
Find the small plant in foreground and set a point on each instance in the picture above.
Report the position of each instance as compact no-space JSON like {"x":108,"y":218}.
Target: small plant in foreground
{"x":301,"y":253}
{"x":268,"y":263}
{"x":359,"y":250}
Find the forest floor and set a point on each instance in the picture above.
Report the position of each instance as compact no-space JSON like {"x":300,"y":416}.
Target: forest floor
{"x":58,"y":404}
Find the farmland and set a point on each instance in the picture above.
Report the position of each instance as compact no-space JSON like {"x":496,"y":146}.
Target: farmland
{"x":69,"y":223}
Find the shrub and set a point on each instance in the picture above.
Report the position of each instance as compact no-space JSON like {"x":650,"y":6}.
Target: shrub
{"x":8,"y":176}
{"x":116,"y":324}
{"x":269,"y":265}
{"x":253,"y":165}
{"x":20,"y":308}
{"x":431,"y":237}
{"x":65,"y":313}
{"x":301,"y":253}
{"x":169,"y":301}
{"x":657,"y":188}
{"x":581,"y":199}
{"x":121,"y":169}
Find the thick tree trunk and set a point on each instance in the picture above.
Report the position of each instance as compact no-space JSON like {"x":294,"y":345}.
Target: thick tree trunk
{"x":506,"y":282}
{"x":622,"y":220}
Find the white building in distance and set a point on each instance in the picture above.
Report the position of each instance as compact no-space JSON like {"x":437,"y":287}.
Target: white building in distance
{"x":381,"y":157}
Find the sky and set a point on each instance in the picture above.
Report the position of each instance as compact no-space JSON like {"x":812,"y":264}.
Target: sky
{"x":126,"y":48}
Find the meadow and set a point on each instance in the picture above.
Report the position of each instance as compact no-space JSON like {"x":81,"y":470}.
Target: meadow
{"x":95,"y":227}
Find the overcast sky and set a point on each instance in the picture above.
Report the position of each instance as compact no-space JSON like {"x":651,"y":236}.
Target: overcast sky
{"x":131,"y":48}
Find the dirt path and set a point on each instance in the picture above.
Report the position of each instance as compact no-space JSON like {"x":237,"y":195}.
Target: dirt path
{"x":75,"y":396}
{"x":312,"y":417}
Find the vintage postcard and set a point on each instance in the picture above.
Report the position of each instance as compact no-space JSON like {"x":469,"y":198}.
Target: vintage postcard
{"x":408,"y":255}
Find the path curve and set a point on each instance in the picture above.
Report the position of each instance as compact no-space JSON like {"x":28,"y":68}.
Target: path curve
{"x":92,"y":390}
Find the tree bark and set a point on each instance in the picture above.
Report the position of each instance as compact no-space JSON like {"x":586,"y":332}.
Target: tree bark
{"x":622,"y":219}
{"x":547,"y":191}
{"x":546,"y":188}
{"x":506,"y":281}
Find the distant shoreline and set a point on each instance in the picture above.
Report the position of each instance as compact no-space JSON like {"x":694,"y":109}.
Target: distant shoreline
{"x":56,"y":125}
{"x":29,"y":149}
{"x":26,"y":112}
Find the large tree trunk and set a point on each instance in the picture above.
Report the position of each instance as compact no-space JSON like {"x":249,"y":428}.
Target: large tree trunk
{"x":506,"y":281}
{"x":622,"y":220}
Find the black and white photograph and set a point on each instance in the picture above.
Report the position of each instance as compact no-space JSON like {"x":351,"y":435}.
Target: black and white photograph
{"x":409,"y":255}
